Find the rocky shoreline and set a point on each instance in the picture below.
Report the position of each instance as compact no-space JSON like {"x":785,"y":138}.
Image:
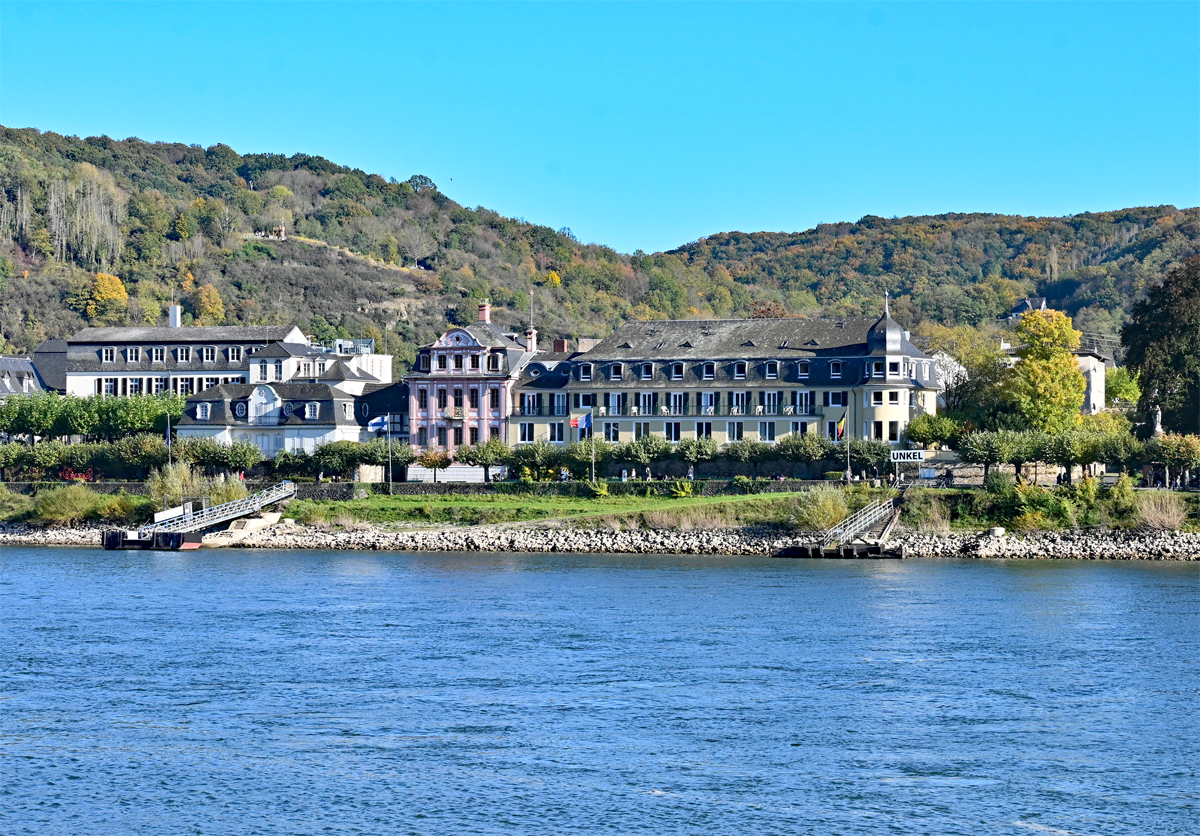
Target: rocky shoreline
{"x":1078,"y":545}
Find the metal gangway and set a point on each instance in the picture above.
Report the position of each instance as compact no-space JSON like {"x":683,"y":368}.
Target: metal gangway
{"x":858,"y":523}
{"x":221,"y":513}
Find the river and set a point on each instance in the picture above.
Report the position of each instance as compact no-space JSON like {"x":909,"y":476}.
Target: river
{"x":260,"y":692}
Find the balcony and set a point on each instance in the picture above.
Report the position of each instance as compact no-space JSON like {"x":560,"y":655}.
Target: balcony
{"x":453,"y":413}
{"x":689,"y":411}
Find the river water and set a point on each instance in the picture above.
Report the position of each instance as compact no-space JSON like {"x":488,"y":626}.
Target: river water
{"x":248,"y":692}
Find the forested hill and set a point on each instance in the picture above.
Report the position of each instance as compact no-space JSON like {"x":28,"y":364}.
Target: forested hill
{"x":400,"y":260}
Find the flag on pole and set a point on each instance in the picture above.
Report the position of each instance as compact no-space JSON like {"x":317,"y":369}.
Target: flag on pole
{"x":841,"y":426}
{"x":582,"y":421}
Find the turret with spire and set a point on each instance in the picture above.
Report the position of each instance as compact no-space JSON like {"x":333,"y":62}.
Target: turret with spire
{"x":886,"y":336}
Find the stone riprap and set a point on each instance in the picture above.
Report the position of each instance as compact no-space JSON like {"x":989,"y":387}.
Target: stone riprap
{"x":1078,"y":545}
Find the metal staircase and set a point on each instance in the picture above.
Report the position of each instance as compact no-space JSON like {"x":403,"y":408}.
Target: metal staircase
{"x":858,"y":523}
{"x":220,"y":513}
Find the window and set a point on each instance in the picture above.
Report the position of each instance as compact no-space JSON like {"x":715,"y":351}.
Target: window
{"x":671,"y":430}
{"x":209,"y":354}
{"x":474,"y":434}
{"x":893,"y":430}
{"x":709,"y":371}
{"x":156,"y":355}
{"x":422,"y":399}
{"x":321,"y":367}
{"x":877,"y":399}
{"x":422,"y":437}
{"x":831,"y":430}
{"x":835,"y":399}
{"x":493,"y":362}
{"x":133,"y":355}
{"x":458,"y":436}
{"x":641,"y":429}
{"x":106,"y":355}
{"x":495,"y":398}
{"x":733,"y":431}
{"x":347,"y":410}
{"x":894,"y":369}
{"x":306,"y":369}
{"x":615,"y":371}
{"x":494,"y":432}
{"x":739,"y":371}
{"x":877,"y":368}
{"x":835,"y":369}
{"x":894,"y":398}
{"x":647,"y":371}
{"x":442,"y":363}
{"x":585,"y":371}
{"x":211,"y":381}
{"x":803,"y":370}
{"x":441,"y":398}
{"x":799,"y":428}
{"x":556,"y":432}
{"x":423,"y":363}
{"x":585,"y":433}
{"x":185,"y":386}
{"x":585,"y":400}
{"x":458,"y":398}
{"x":160,"y":385}
{"x":766,"y":431}
{"x":311,"y":410}
{"x":473,"y":398}
{"x":184,"y":355}
{"x":677,"y":371}
{"x":612,"y":432}
{"x":772,"y":370}
{"x":458,"y":362}
{"x":441,"y":436}
{"x":475,"y":366}
{"x":704,"y":429}
{"x":279,"y":370}
{"x":878,"y":428}
{"x":135,"y":386}
{"x":262,"y":369}
{"x":526,"y":433}
{"x":235,"y":354}
{"x":202,"y":412}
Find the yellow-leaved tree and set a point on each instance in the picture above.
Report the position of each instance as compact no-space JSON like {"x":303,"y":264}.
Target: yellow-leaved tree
{"x":108,"y":301}
{"x":553,"y":279}
{"x":207,"y":305}
{"x":1048,"y":386}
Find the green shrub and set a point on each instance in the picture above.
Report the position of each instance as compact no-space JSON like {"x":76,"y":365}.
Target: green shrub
{"x":744,"y":484}
{"x":925,"y":511}
{"x":998,"y":483}
{"x":681,"y":489}
{"x":225,"y":491}
{"x":1122,"y":499}
{"x":14,"y":506}
{"x":819,"y":508}
{"x":834,"y":475}
{"x":66,"y":506}
{"x":123,"y":509}
{"x":599,"y":488}
{"x":307,"y":512}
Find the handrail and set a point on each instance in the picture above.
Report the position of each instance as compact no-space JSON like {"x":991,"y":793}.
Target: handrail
{"x":224,"y":511}
{"x":857,"y":522}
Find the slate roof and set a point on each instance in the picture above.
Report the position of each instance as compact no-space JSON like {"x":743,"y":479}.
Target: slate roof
{"x":198,"y":334}
{"x":223,"y":397}
{"x":14,"y":371}
{"x":50,"y":361}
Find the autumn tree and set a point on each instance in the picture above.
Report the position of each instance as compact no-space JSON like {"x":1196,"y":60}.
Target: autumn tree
{"x":207,"y":305}
{"x":973,"y":369}
{"x":108,"y":301}
{"x":1047,"y":386}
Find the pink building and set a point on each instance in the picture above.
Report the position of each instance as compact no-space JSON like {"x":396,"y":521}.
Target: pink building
{"x":460,"y":392}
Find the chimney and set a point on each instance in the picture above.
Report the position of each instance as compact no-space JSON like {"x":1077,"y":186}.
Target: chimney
{"x":531,"y":341}
{"x":561,"y":346}
{"x":485,"y":312}
{"x":176,"y":319}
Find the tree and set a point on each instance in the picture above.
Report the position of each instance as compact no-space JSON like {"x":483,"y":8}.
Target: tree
{"x":30,"y":415}
{"x":579,"y":455}
{"x":1048,"y":386}
{"x":207,"y":306}
{"x":434,"y":460}
{"x":808,"y":448}
{"x":973,"y":370}
{"x":415,"y":242}
{"x":1162,"y":341}
{"x":748,"y":451}
{"x":421,"y":183}
{"x":487,"y":455}
{"x":696,"y":450}
{"x":986,"y":447}
{"x":537,"y":458}
{"x":340,"y":457}
{"x":1121,"y":389}
{"x":1071,"y":448}
{"x":928,"y":429}
{"x":108,"y":301}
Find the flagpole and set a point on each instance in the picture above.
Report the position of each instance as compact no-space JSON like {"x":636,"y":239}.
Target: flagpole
{"x":592,"y":438}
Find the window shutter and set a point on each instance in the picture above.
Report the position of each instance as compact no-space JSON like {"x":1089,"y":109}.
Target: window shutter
{"x":845,"y":399}
{"x":825,"y":398}
{"x":762,"y":398}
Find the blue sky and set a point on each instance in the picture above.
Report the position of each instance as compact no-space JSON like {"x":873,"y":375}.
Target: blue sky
{"x":648,"y":126}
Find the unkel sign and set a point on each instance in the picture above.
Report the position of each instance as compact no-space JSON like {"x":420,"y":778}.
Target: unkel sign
{"x":908,"y":455}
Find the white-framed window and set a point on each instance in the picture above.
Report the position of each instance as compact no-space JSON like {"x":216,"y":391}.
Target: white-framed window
{"x":894,"y":369}
{"x":557,"y":435}
{"x":641,"y":429}
{"x":160,"y":385}
{"x":704,"y":429}
{"x":894,"y":398}
{"x":877,"y":399}
{"x":739,"y":371}
{"x":766,"y":431}
{"x":802,"y":369}
{"x":279,"y":370}
{"x":877,"y":426}
{"x":209,"y":354}
{"x":709,"y":371}
{"x":458,"y":362}
{"x":202,"y":412}
{"x":107,"y":355}
{"x":133,"y":355}
{"x":157,"y":355}
{"x":772,"y":370}
{"x":423,"y":365}
{"x":441,"y":360}
{"x":185,"y":385}
{"x":612,"y":431}
{"x":831,"y":430}
{"x":734,"y":431}
{"x":347,"y":410}
{"x":585,"y":371}
{"x":677,"y":371}
{"x":306,"y":369}
{"x":235,"y":354}
{"x":209,"y":382}
{"x":135,"y":386}
{"x":262,"y":369}
{"x":615,"y":371}
{"x":493,"y":362}
{"x":835,"y":369}
{"x":647,"y":371}
{"x":671,"y":429}
{"x":799,"y":428}
{"x":311,"y":410}
{"x":321,"y":367}
{"x":893,"y":430}
{"x":877,"y":368}
{"x":526,"y":432}
{"x":183,"y":355}
{"x":475,"y":368}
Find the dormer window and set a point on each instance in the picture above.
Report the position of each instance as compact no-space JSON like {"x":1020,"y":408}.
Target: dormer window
{"x":235,"y":354}
{"x":311,"y":410}
{"x":647,"y":371}
{"x":585,"y":371}
{"x":107,"y":354}
{"x":133,"y":355}
{"x":321,"y":367}
{"x":210,"y":354}
{"x":441,"y":362}
{"x":615,"y":371}
{"x":202,"y":412}
{"x":709,"y":371}
{"x":772,"y":370}
{"x":894,"y":369}
{"x":835,"y":369}
{"x":677,"y":371}
{"x":803,"y":370}
{"x":184,"y":355}
{"x":493,"y":362}
{"x":739,"y":371}
{"x":157,"y":354}
{"x":347,"y":411}
{"x":306,"y":369}
{"x":424,"y":364}
{"x":877,"y":368}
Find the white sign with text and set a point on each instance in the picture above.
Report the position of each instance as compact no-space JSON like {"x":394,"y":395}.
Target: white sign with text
{"x":908,"y":455}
